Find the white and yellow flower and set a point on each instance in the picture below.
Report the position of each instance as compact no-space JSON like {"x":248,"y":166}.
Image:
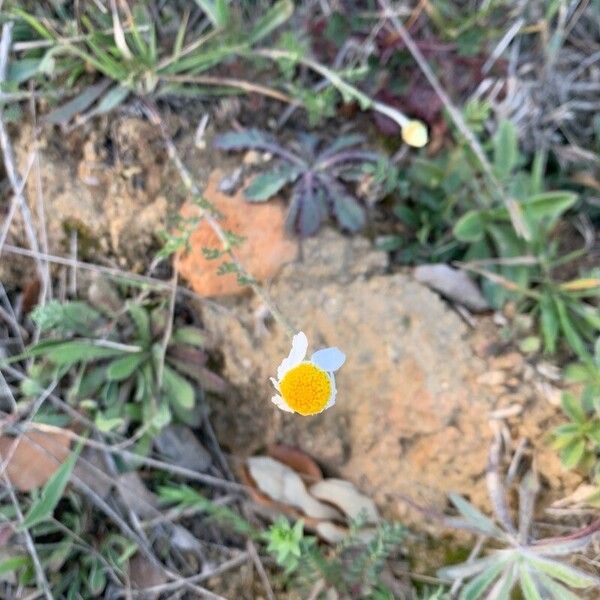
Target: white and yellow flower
{"x":307,"y":387}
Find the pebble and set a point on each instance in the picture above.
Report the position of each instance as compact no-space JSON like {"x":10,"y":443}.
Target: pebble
{"x":492,"y":378}
{"x":512,"y":361}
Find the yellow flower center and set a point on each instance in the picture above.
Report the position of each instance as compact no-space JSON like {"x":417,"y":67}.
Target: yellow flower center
{"x":306,"y":388}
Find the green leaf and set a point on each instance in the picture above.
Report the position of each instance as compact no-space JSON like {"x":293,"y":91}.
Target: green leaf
{"x":572,"y":454}
{"x":105,"y":423}
{"x":67,"y":317}
{"x":63,"y":114}
{"x":548,"y":205}
{"x":266,"y":185}
{"x":470,"y":227}
{"x":506,"y":150}
{"x":549,"y":323}
{"x":141,"y":319}
{"x":192,"y":336}
{"x":278,"y":14}
{"x":557,"y":591}
{"x":528,"y":587}
{"x":572,"y":407}
{"x":475,"y":517}
{"x":478,"y":585}
{"x":216,"y":10}
{"x":573,"y":338}
{"x":43,"y":507}
{"x":348,"y":213}
{"x":13,"y":563}
{"x":124,"y":367}
{"x":161,"y":416}
{"x":113,"y":98}
{"x":178,"y":389}
{"x":563,"y":572}
{"x":68,"y":353}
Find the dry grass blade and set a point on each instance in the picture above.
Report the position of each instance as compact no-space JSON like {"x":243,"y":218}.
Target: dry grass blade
{"x":14,"y":178}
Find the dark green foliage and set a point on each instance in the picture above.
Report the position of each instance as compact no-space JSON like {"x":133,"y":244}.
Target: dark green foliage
{"x":317,"y":172}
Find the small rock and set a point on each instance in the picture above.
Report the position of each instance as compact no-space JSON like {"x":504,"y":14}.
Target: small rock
{"x":512,"y":361}
{"x":145,"y":574}
{"x":453,"y":284}
{"x":137,"y":496}
{"x":265,"y":248}
{"x":548,"y":371}
{"x":492,"y":378}
{"x":252,"y":157}
{"x":550,"y":392}
{"x":181,"y":447}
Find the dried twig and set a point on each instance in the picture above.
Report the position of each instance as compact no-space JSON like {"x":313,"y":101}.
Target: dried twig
{"x":251,"y":548}
{"x":37,"y":565}
{"x":494,"y":185}
{"x":9,"y":158}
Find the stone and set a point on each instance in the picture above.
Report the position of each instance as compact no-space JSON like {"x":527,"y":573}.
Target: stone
{"x":513,"y":361}
{"x":410,"y":420}
{"x":454,"y":284}
{"x":492,"y":378}
{"x":264,"y":250}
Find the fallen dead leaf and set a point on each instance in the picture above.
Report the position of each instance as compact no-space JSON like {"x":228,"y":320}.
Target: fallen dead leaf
{"x":297,"y":460}
{"x":263,"y":252}
{"x":36,"y":458}
{"x":282,"y":484}
{"x":343,"y":495}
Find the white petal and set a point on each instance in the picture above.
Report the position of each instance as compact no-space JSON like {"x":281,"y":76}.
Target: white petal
{"x":279,"y":402}
{"x":296,"y":355}
{"x":275,"y":383}
{"x":329,"y":359}
{"x":333,"y":394}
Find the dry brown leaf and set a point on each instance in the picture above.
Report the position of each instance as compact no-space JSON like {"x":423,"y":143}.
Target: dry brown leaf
{"x":297,"y":460}
{"x":36,"y":458}
{"x":347,"y":498}
{"x":284,"y":485}
{"x":264,"y":251}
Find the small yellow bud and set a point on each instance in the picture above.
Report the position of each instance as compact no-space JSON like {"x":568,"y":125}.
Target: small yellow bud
{"x":414,"y":133}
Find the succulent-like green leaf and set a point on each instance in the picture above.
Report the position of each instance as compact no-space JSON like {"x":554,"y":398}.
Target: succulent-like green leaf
{"x":470,"y":227}
{"x":475,"y":517}
{"x":266,"y":185}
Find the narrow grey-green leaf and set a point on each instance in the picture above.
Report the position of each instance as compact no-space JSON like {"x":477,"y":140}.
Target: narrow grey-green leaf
{"x":44,"y":505}
{"x":474,"y":516}
{"x":278,"y":14}
{"x":563,"y":572}
{"x":468,"y":569}
{"x":477,"y":586}
{"x":528,"y":587}
{"x":266,"y":185}
{"x":77,"y":105}
{"x":506,"y":151}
